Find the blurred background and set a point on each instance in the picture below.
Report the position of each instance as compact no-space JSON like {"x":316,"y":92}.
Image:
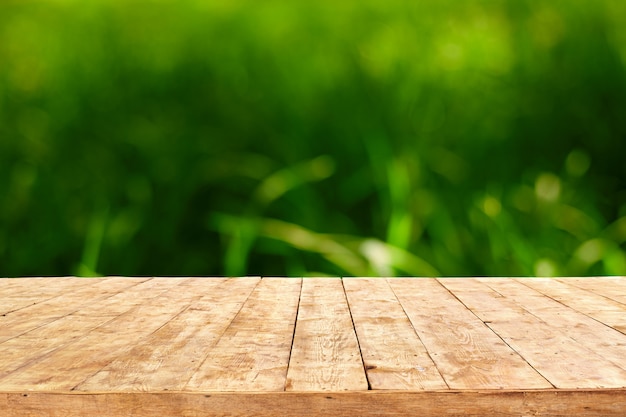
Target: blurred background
{"x":372,"y":138}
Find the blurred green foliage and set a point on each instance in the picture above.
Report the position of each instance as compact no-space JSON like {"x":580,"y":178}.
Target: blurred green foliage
{"x":435,"y":137}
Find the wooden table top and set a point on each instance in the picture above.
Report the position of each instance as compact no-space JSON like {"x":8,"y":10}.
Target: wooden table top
{"x":288,"y":346}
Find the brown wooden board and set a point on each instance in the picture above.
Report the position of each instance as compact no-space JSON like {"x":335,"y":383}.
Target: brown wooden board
{"x":547,"y":346}
{"x":168,"y":357}
{"x":71,"y":298}
{"x":253,"y":352}
{"x":393,"y":354}
{"x":325,"y":355}
{"x":450,"y":403}
{"x":326,"y":346}
{"x":467,"y":352}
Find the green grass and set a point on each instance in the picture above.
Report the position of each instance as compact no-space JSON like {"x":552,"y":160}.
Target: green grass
{"x":312,"y":138}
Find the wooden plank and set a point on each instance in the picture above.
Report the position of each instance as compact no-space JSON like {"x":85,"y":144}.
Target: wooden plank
{"x":131,"y":351}
{"x":67,"y":367}
{"x":325,"y":355}
{"x":21,"y":321}
{"x":599,"y":307}
{"x":7,"y":283}
{"x":34,"y":345}
{"x":253,"y":352}
{"x":610,"y":287}
{"x":119,"y":303}
{"x":598,"y":338}
{"x":484,"y":304}
{"x":571,"y":295}
{"x":548,"y":349}
{"x":34,"y":285}
{"x":16,"y":294}
{"x":167,"y":358}
{"x":467,"y":352}
{"x":393,"y":355}
{"x":16,"y":286}
{"x":547,"y":403}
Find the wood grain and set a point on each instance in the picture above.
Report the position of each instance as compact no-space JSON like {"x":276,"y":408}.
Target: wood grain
{"x":280,"y":346}
{"x":21,"y":293}
{"x":467,"y":352}
{"x":325,"y":355}
{"x":167,"y":358}
{"x":67,"y":367}
{"x":450,"y":403}
{"x":599,"y":307}
{"x":70,"y":299}
{"x":573,"y":296}
{"x":253,"y":352}
{"x":559,"y":358}
{"x":32,"y":346}
{"x":393,"y":355}
{"x":600,"y":340}
{"x":613,"y":288}
{"x":603,"y":310}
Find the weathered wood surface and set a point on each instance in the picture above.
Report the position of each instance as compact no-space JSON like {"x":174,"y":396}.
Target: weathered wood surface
{"x":325,"y":354}
{"x":562,"y":403}
{"x":288,"y":346}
